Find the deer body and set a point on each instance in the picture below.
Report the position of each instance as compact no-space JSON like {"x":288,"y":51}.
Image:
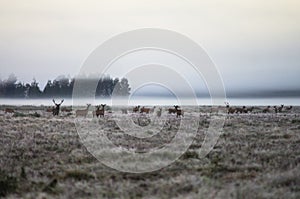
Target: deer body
{"x":246,"y":110}
{"x":179,"y":112}
{"x":145,"y":110}
{"x":83,"y":112}
{"x":136,"y":109}
{"x":266,"y":110}
{"x":289,"y":108}
{"x":100,"y":112}
{"x":240,"y":110}
{"x":9,"y":110}
{"x":172,"y":110}
{"x":280,"y":109}
{"x":230,"y":110}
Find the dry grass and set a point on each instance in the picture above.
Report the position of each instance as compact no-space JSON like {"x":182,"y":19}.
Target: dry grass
{"x":257,"y":156}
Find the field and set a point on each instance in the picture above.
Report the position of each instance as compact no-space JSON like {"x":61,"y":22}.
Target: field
{"x":256,"y":156}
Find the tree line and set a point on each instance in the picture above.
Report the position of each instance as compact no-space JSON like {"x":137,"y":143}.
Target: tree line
{"x":61,"y":87}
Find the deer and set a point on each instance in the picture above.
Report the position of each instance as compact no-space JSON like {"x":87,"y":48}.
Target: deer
{"x":145,"y":110}
{"x":55,"y":110}
{"x":179,"y":112}
{"x":266,"y":110}
{"x":136,"y":109}
{"x":173,"y":110}
{"x":83,"y":112}
{"x":280,"y":109}
{"x":230,"y":110}
{"x":100,"y":112}
{"x":246,"y":110}
{"x":240,"y":110}
{"x":288,"y":108}
{"x":9,"y":110}
{"x":275,"y":109}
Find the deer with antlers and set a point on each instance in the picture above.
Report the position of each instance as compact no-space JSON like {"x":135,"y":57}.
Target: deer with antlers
{"x":83,"y":112}
{"x":55,"y":110}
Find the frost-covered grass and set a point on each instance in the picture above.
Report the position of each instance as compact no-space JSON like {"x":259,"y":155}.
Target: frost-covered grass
{"x":257,"y":156}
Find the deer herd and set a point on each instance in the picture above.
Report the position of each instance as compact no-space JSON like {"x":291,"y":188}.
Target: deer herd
{"x":100,"y":110}
{"x":268,"y":109}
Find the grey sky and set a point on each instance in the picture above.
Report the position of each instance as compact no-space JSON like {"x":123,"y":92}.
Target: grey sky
{"x":255,"y":44}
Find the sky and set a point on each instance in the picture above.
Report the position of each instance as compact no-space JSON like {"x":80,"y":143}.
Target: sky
{"x":254,"y":44}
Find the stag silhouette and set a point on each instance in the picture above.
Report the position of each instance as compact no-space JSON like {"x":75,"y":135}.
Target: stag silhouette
{"x":55,"y":110}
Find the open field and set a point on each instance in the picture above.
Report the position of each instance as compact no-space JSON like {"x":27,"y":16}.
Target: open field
{"x":257,"y":156}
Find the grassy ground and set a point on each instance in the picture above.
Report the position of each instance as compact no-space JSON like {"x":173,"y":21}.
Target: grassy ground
{"x":257,"y":156}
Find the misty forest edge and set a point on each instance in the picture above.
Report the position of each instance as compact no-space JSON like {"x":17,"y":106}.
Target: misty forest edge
{"x":61,"y":87}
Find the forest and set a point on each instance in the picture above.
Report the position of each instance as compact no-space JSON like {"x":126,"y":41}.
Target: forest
{"x":61,"y":87}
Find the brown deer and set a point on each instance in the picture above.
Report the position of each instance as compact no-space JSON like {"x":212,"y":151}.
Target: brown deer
{"x":9,"y":110}
{"x":179,"y":112}
{"x":145,"y":110}
{"x":240,"y":110}
{"x":266,"y":110}
{"x":173,"y":110}
{"x":246,"y":110}
{"x":100,"y":112}
{"x":230,"y":110}
{"x":136,"y":109}
{"x":55,"y":111}
{"x":83,"y":112}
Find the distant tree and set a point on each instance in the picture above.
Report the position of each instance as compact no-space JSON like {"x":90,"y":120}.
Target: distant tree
{"x":20,"y":90}
{"x":1,"y":89}
{"x":125,"y":89}
{"x":10,"y":86}
{"x":63,"y":87}
{"x":34,"y":90}
{"x":48,"y":90}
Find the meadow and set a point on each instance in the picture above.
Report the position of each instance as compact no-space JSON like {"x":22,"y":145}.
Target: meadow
{"x":256,"y":156}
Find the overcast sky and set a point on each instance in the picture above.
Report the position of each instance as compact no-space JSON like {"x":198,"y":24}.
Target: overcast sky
{"x":255,"y":44}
